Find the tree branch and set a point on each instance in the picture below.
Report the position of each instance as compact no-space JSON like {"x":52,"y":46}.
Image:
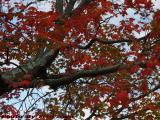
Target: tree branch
{"x":84,"y":2}
{"x":59,"y":6}
{"x":110,"y":41}
{"x":146,"y":94}
{"x":69,"y":8}
{"x":34,"y":67}
{"x":101,"y":41}
{"x":65,"y":80}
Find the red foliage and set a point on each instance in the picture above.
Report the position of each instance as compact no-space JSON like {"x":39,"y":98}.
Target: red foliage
{"x":123,"y":98}
{"x":97,"y":41}
{"x":134,"y":69}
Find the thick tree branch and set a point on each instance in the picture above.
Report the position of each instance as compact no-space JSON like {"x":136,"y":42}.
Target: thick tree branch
{"x":42,"y":61}
{"x":65,"y":79}
{"x":34,"y":67}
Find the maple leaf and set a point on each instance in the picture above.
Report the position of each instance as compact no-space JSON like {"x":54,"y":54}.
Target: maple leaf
{"x":129,"y":3}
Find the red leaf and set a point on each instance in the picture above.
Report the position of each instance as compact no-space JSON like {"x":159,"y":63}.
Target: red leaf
{"x":124,"y":12}
{"x":131,"y":20}
{"x":146,"y":72}
{"x":134,"y":69}
{"x":129,"y":3}
{"x":25,"y":83}
{"x":151,"y":106}
{"x":101,"y":61}
{"x":115,"y":36}
{"x":122,"y":95}
{"x":115,"y":6}
{"x":123,"y":98}
{"x":86,"y":67}
{"x":87,"y":58}
{"x":152,"y":63}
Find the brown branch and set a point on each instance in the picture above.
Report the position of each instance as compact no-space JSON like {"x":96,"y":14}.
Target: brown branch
{"x":88,"y":45}
{"x":26,"y":6}
{"x":59,"y":6}
{"x":69,"y":8}
{"x":84,"y":2}
{"x":111,"y":41}
{"x":34,"y":67}
{"x":101,"y":41}
{"x":91,"y":115}
{"x":67,"y":79}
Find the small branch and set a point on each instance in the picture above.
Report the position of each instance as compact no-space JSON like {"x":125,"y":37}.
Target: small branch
{"x":88,"y":45}
{"x":26,"y":6}
{"x":146,"y":94}
{"x":127,"y":116}
{"x":91,"y":115}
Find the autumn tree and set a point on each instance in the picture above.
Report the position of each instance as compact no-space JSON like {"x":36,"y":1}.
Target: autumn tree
{"x":97,"y":55}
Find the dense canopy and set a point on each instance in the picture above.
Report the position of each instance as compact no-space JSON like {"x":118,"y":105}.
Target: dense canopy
{"x":100,"y":58}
